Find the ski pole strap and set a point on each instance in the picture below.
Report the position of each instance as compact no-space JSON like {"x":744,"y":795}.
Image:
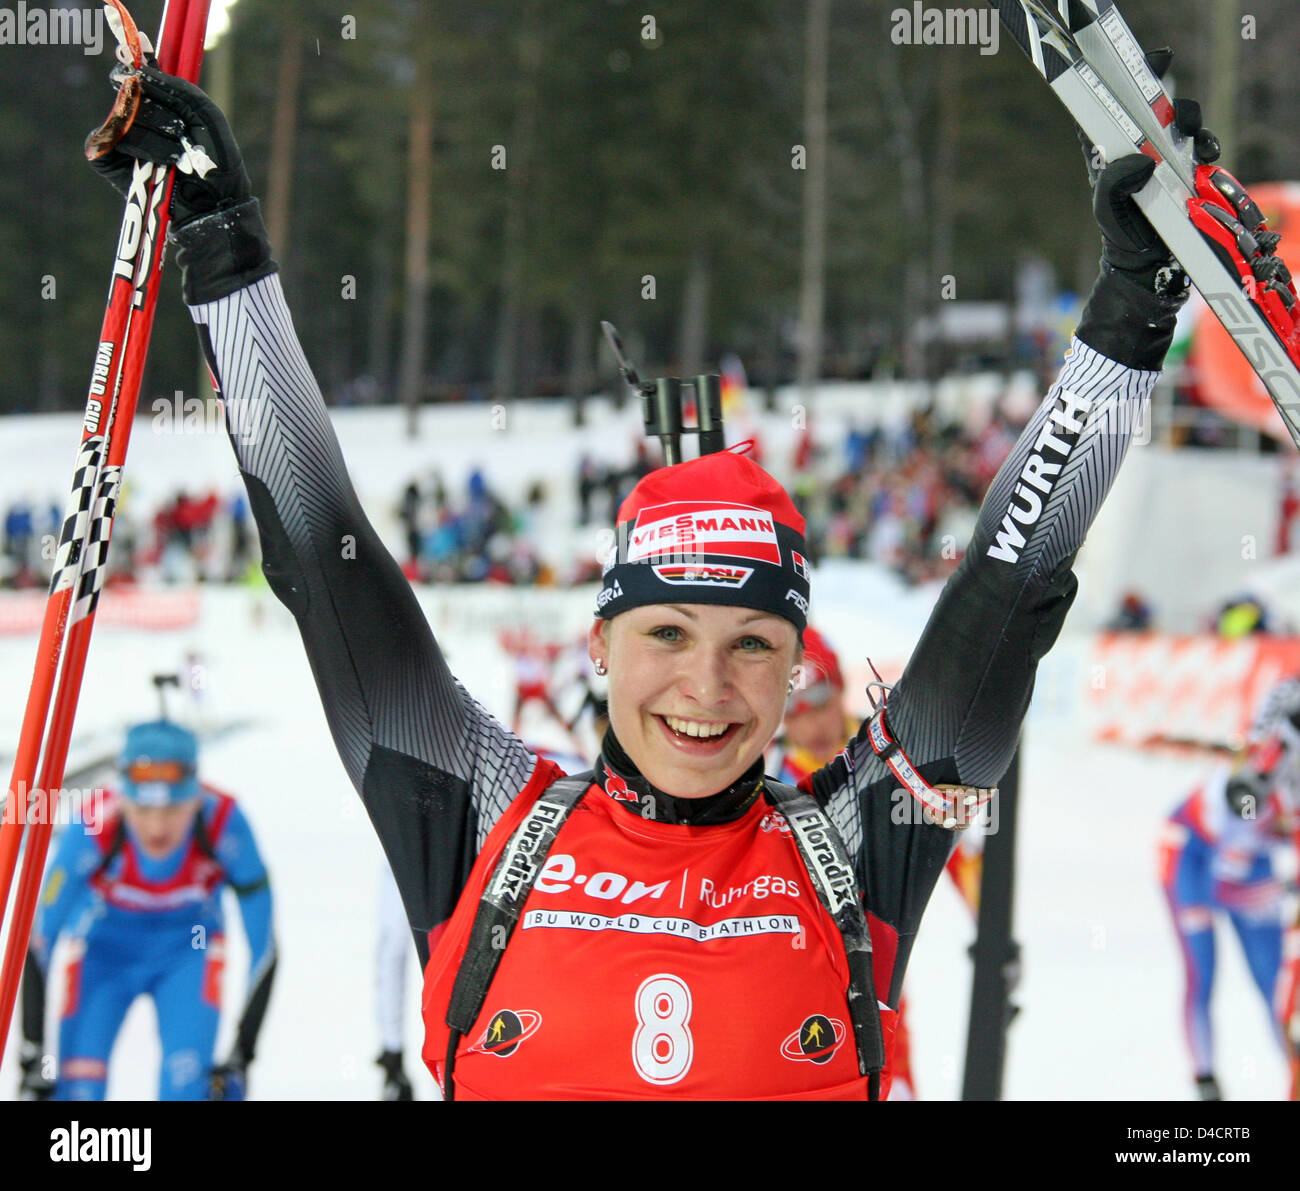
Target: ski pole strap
{"x":828,"y":865}
{"x":131,"y":49}
{"x":953,"y":807}
{"x":512,"y":881}
{"x":900,"y":764}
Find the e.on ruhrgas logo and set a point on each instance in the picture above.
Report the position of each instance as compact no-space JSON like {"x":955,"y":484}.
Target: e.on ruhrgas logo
{"x":693,"y":528}
{"x":815,"y":1041}
{"x":507,"y":1029}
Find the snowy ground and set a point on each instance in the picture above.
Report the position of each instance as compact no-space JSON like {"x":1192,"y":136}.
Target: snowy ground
{"x":1100,"y":1016}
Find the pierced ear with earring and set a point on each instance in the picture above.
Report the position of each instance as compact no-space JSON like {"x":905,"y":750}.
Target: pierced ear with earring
{"x":601,"y":668}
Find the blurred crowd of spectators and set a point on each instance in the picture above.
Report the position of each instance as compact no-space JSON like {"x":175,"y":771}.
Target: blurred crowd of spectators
{"x":601,"y":487}
{"x":478,"y":537}
{"x":31,"y":530}
{"x":188,"y":538}
{"x":1243,"y":614}
{"x":474,"y":539}
{"x":906,"y":498}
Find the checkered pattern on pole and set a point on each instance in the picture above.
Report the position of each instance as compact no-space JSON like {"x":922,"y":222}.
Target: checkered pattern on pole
{"x":95,"y":555}
{"x":77,"y":512}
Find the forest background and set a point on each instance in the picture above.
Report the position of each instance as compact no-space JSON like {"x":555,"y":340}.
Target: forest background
{"x":458,"y":192}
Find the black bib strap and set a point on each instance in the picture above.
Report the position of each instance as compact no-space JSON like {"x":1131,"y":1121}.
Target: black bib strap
{"x":512,"y":881}
{"x":202,"y":838}
{"x":827,"y":862}
{"x":112,"y":852}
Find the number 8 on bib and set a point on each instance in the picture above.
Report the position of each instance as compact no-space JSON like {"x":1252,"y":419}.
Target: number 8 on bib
{"x":663,"y":1048}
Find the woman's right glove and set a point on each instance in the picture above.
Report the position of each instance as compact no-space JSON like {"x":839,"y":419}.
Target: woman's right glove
{"x":1131,"y":313}
{"x":217,"y":229}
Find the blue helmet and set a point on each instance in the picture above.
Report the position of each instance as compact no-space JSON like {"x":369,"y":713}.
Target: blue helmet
{"x":159,"y":764}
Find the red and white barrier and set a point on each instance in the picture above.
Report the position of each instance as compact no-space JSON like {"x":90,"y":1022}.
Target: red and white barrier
{"x":160,"y":609}
{"x":1148,"y":689}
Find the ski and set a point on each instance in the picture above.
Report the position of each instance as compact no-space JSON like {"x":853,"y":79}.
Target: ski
{"x":1106,"y":41}
{"x":87,"y":527}
{"x":1088,"y":55}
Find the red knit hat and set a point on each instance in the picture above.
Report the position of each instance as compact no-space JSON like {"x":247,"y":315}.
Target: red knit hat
{"x":714,"y":530}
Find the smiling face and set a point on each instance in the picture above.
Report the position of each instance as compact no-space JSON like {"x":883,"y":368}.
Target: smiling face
{"x":696,"y":691}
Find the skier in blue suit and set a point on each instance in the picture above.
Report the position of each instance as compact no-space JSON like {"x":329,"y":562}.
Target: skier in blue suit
{"x":1216,"y":861}
{"x":136,"y":890}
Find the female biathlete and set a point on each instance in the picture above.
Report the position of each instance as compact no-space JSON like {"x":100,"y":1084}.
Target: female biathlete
{"x":674,"y":925}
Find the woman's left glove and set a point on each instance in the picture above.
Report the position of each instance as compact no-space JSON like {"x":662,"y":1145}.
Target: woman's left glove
{"x":221,"y":241}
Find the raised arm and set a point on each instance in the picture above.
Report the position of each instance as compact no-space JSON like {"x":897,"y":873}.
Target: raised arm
{"x":964,"y":693}
{"x":958,"y":707}
{"x":968,"y":683}
{"x":433,"y":768}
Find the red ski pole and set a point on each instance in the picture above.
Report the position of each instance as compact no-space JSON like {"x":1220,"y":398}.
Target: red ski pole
{"x":104,"y":387}
{"x":87,"y":529}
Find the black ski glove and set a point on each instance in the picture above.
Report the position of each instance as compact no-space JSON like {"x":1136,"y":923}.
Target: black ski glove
{"x":396,"y":1085}
{"x":1134,"y":305}
{"x":1131,"y":313}
{"x":34,"y":1085}
{"x":228,"y":1081}
{"x":221,"y":242}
